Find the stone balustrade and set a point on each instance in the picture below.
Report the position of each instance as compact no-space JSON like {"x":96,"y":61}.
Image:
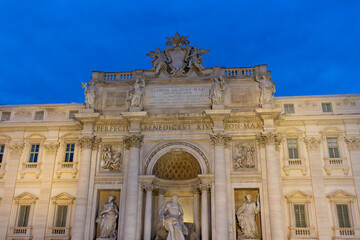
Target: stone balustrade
{"x":295,"y":164}
{"x":67,"y":168}
{"x":59,"y":231}
{"x":302,"y":233}
{"x":33,"y":168}
{"x":336,"y":164}
{"x":346,"y":233}
{"x":240,"y":72}
{"x":20,"y":231}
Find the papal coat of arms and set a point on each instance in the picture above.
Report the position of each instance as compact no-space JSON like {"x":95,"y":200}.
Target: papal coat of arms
{"x":178,"y":57}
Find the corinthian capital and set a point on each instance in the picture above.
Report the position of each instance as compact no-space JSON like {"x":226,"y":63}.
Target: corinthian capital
{"x":148,"y":187}
{"x":220,"y":139}
{"x":204,"y":186}
{"x":51,"y":147}
{"x":16,"y":149}
{"x":90,"y":142}
{"x":353,"y":143}
{"x":312,"y":143}
{"x":133,"y":141}
{"x":268,"y":138}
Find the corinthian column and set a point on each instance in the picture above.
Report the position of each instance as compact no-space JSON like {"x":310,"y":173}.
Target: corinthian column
{"x":204,"y":211}
{"x":87,"y":144}
{"x":273,"y":184}
{"x":148,"y":209}
{"x":196,"y":209}
{"x":12,"y":162}
{"x":221,"y":197}
{"x":133,"y":144}
{"x":321,"y":206}
{"x":353,"y":144}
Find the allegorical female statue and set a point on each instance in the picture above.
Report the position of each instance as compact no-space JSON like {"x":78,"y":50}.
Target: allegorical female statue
{"x":90,"y":94}
{"x":217,"y":90}
{"x":246,"y":218}
{"x":136,"y":95}
{"x":172,"y":213}
{"x":108,"y":219}
{"x":267,"y":89}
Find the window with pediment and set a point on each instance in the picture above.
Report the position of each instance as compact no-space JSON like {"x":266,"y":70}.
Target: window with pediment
{"x":294,"y":160}
{"x":67,"y":163}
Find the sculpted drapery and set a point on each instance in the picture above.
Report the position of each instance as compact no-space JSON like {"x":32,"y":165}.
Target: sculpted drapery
{"x":108,"y":219}
{"x":246,"y":218}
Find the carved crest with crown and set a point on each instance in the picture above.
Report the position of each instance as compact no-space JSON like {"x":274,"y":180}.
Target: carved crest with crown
{"x":178,"y":58}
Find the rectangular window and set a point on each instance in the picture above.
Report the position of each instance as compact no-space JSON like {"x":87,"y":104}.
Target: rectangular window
{"x":289,"y":108}
{"x":69,"y":153}
{"x":333,"y":148}
{"x":5,"y":116}
{"x":34,"y":153}
{"x":326,"y":107}
{"x":343,"y":215}
{"x":2,"y":149}
{"x":72,"y":114}
{"x":39,"y":115}
{"x":300,"y":220}
{"x":61,"y":214}
{"x":23,"y":216}
{"x":293,"y":148}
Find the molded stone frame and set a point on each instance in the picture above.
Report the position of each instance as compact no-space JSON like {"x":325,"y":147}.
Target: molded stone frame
{"x":299,"y":197}
{"x":294,"y":165}
{"x":4,"y":140}
{"x":22,"y":232}
{"x":32,"y":169}
{"x":66,"y":169}
{"x":342,"y":197}
{"x":250,"y":142}
{"x":335,"y":164}
{"x":117,"y":146}
{"x":60,"y":232}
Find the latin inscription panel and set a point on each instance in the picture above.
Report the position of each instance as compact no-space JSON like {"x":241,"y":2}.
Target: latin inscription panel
{"x":177,"y":96}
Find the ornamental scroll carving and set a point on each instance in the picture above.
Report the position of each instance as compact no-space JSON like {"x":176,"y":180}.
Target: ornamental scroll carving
{"x":133,"y":141}
{"x":16,"y":149}
{"x":353,"y":143}
{"x":312,"y":143}
{"x":220,"y":139}
{"x":90,"y":142}
{"x":112,"y":160}
{"x":244,"y":155}
{"x":51,"y":147}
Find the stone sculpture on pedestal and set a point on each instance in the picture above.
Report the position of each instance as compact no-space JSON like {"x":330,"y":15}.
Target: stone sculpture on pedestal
{"x":172,"y":213}
{"x":267,"y":90}
{"x":217,"y":90}
{"x":90,"y":95}
{"x":136,"y":95}
{"x":108,"y":220}
{"x":246,"y":219}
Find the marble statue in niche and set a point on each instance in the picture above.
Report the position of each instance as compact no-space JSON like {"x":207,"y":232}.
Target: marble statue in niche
{"x":267,"y":90}
{"x":172,"y":214}
{"x":216,"y":92}
{"x":244,"y":156}
{"x":135,"y":97}
{"x":245,"y":216}
{"x":108,"y":220}
{"x":90,"y":94}
{"x":112,"y":160}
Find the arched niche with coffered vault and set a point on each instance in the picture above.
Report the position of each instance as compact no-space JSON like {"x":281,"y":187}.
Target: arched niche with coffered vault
{"x":177,"y":161}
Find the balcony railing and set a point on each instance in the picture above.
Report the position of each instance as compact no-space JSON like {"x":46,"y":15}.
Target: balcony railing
{"x":347,"y":233}
{"x":239,"y":72}
{"x":336,"y":164}
{"x":295,"y":164}
{"x":21,"y":231}
{"x":67,"y":167}
{"x":31,"y":168}
{"x":59,"y":231}
{"x":302,"y":233}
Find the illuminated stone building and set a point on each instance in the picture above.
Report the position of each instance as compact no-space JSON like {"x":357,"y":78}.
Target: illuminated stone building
{"x":210,"y":135}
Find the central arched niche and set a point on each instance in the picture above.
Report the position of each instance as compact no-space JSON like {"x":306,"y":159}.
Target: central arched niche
{"x":177,"y":165}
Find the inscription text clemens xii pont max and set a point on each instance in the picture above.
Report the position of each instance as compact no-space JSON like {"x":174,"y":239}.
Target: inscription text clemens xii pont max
{"x":177,"y":96}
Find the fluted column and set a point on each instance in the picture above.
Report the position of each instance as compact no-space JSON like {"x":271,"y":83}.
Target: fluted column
{"x":221,"y":198}
{"x":12,"y":165}
{"x":133,"y":143}
{"x":353,"y":144}
{"x":87,"y":144}
{"x":321,"y":204}
{"x":148,"y":210}
{"x":273,"y":184}
{"x":204,"y":211}
{"x":45,"y":190}
{"x":196,"y":209}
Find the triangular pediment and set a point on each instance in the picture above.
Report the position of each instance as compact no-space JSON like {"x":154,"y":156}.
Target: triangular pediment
{"x":63,"y":198}
{"x":26,"y":197}
{"x":340,"y":194}
{"x":298,"y":195}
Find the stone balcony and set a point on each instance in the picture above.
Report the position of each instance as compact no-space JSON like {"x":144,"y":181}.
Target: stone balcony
{"x":302,"y":233}
{"x":58,"y":233}
{"x":67,"y":168}
{"x":31,"y":168}
{"x":20,"y":232}
{"x":297,"y":164}
{"x":336,"y":164}
{"x":346,"y":233}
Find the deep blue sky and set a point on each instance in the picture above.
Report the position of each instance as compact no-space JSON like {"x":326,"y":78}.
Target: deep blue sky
{"x":47,"y":48}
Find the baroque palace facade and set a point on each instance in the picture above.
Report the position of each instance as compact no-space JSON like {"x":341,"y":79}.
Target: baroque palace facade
{"x":243,"y":163}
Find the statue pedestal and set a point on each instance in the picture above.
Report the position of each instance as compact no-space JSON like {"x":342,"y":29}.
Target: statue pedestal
{"x":218,"y":107}
{"x":101,"y":238}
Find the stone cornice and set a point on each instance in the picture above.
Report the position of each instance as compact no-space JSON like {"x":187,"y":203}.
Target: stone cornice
{"x":133,"y":141}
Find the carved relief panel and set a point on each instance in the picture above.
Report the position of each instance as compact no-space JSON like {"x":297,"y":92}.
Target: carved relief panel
{"x":244,"y":155}
{"x":111,"y":159}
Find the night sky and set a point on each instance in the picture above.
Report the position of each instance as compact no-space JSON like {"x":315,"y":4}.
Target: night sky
{"x":48,"y":48}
